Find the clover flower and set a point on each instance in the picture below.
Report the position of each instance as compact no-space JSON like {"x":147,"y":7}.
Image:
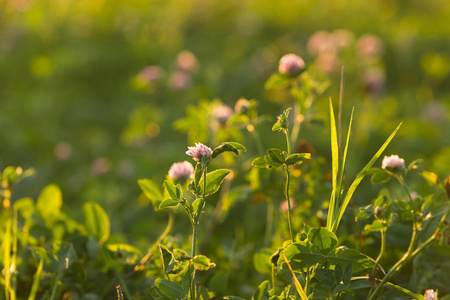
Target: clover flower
{"x":181,"y":171}
{"x":242,"y":106}
{"x":291,"y":65}
{"x":222,"y":113}
{"x":393,"y":163}
{"x":430,"y":295}
{"x":199,"y":151}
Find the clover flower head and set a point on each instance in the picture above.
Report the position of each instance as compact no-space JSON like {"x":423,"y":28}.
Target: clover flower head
{"x":291,"y":65}
{"x":284,"y":205}
{"x":181,"y":171}
{"x":242,"y":106}
{"x":199,"y":151}
{"x":393,"y":163}
{"x":430,"y":295}
{"x":222,"y":113}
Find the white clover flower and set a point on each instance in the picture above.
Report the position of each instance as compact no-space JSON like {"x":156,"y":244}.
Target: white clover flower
{"x":199,"y":151}
{"x":181,"y":171}
{"x":393,"y":163}
{"x":291,"y":65}
{"x":430,"y":295}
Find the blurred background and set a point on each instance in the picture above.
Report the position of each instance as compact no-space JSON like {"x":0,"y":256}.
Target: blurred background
{"x":91,"y":90}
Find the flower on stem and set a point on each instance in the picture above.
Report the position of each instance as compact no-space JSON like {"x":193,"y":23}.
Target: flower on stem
{"x":430,"y":295}
{"x":199,"y":151}
{"x":393,"y":163}
{"x":181,"y":171}
{"x":291,"y":65}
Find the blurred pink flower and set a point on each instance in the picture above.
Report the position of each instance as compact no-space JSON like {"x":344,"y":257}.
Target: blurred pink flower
{"x":319,"y":42}
{"x":284,"y":205}
{"x":374,"y":80}
{"x":242,"y":106}
{"x":342,"y":38}
{"x":393,"y":163}
{"x":199,"y":151}
{"x":186,"y":61}
{"x":222,"y":113}
{"x":430,"y":295}
{"x":328,"y":62}
{"x":181,"y":171}
{"x":369,"y":45}
{"x":291,"y":65}
{"x":63,"y":150}
{"x":150,"y":74}
{"x":101,"y":166}
{"x":180,"y":80}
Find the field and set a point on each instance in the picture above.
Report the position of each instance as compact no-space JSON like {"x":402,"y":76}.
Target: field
{"x":234,"y":150}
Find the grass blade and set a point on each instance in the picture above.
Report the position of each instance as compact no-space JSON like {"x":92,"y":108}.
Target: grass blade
{"x":7,"y":258}
{"x":335,"y":167}
{"x":297,"y":284}
{"x":344,"y":159}
{"x":37,"y":277}
{"x":359,"y":178}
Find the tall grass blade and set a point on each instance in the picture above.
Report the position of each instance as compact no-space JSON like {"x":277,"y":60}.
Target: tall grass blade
{"x":335,"y":167}
{"x":297,"y":284}
{"x":37,"y":278}
{"x":344,"y":159}
{"x":359,"y":178}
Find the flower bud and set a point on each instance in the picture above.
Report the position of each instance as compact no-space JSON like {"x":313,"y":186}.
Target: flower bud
{"x":393,"y":163}
{"x":181,"y":171}
{"x":430,"y":295}
{"x":291,"y":65}
{"x":222,"y":113}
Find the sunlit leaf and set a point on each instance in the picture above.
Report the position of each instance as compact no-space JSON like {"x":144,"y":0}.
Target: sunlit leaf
{"x":214,"y":180}
{"x":96,"y":221}
{"x":170,"y":289}
{"x":202,"y":263}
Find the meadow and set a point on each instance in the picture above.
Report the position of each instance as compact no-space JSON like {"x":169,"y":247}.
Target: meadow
{"x":235,"y":150}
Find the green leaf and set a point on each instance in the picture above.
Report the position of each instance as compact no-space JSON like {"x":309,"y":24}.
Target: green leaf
{"x":202,"y":263}
{"x":335,"y":168}
{"x":322,"y":238}
{"x":338,"y":273}
{"x":277,"y":155}
{"x":276,"y":126}
{"x":376,"y":225}
{"x":233,"y":298}
{"x":306,"y":254}
{"x":174,"y":191}
{"x":359,"y":284}
{"x":262,"y":291}
{"x":346,"y":256}
{"x":170,"y":289}
{"x":379,"y":176}
{"x":347,"y":277}
{"x":150,"y":189}
{"x":166,"y":257}
{"x":214,"y":180}
{"x":227,"y":146}
{"x":49,"y":202}
{"x":197,"y":205}
{"x":277,"y":81}
{"x":96,"y":221}
{"x":261,"y":261}
{"x":168,"y":203}
{"x":430,"y":177}
{"x":297,"y":158}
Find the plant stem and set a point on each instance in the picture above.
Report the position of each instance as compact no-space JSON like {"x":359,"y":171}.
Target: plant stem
{"x":409,"y":255}
{"x":383,"y":246}
{"x":194,"y":231}
{"x":289,"y":202}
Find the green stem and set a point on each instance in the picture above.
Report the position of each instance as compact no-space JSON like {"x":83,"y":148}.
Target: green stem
{"x":194,"y":230}
{"x":288,"y":141}
{"x":383,"y":246}
{"x":409,"y":255}
{"x":289,"y":202}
